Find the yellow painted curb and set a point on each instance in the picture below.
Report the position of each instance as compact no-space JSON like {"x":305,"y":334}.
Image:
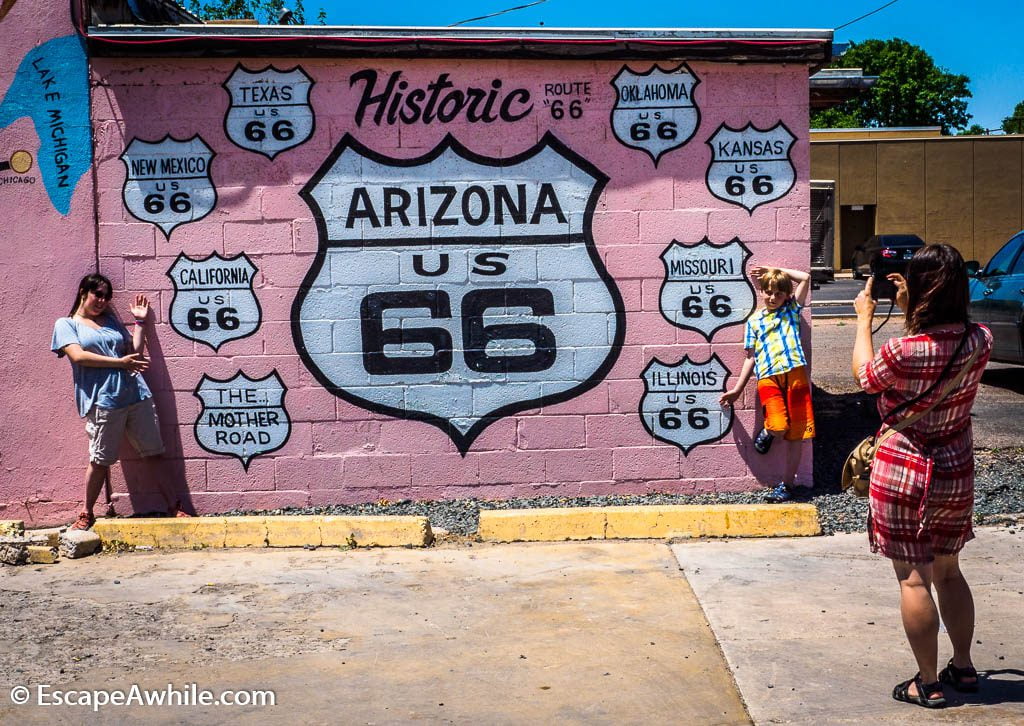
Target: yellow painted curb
{"x":650,"y":522}
{"x":273,"y":531}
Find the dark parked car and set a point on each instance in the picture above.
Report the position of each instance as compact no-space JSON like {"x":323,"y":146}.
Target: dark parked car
{"x":884,"y":254}
{"x":997,"y":299}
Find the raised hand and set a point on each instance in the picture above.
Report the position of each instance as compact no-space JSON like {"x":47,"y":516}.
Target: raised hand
{"x":140,"y":309}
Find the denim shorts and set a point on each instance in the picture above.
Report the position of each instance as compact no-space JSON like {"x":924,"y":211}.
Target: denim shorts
{"x":107,"y":427}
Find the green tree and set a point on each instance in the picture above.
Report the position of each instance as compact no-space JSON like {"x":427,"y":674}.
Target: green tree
{"x":910,"y":91}
{"x":974,"y":130}
{"x":263,"y":11}
{"x":1014,"y":123}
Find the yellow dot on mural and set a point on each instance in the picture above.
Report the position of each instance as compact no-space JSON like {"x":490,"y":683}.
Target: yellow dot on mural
{"x":21,"y":161}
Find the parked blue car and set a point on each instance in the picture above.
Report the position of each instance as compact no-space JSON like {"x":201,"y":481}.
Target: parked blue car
{"x":997,"y":299}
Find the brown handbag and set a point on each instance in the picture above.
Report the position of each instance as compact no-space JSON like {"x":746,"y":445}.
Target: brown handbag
{"x":857,"y":468}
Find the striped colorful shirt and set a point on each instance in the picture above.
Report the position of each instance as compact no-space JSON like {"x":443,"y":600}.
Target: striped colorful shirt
{"x":774,"y":336}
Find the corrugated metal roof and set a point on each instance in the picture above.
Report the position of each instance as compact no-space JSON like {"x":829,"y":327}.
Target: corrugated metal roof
{"x":727,"y":44}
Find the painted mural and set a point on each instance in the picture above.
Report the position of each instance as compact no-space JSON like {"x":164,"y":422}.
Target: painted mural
{"x":428,"y":278}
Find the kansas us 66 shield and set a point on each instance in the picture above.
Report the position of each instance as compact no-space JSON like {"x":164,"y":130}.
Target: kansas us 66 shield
{"x":680,"y":403}
{"x":705,"y":286}
{"x":456,"y":288}
{"x":751,"y":166}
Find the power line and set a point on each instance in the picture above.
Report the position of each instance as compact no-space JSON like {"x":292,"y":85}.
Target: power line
{"x":502,"y":12}
{"x":840,"y":27}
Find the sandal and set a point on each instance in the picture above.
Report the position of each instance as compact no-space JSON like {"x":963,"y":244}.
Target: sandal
{"x":763,"y":442}
{"x":957,"y":677}
{"x":902,"y":693}
{"x":85,"y":521}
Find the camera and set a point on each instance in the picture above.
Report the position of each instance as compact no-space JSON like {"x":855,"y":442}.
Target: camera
{"x":881,"y":287}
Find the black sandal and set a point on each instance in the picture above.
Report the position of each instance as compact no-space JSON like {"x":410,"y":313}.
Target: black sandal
{"x":902,"y":693}
{"x":956,"y":677}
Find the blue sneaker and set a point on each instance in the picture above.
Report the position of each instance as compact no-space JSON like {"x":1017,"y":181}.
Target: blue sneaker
{"x":763,"y":442}
{"x":781,"y":493}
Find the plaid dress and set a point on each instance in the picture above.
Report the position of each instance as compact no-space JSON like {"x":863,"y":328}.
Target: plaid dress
{"x":922,"y":480}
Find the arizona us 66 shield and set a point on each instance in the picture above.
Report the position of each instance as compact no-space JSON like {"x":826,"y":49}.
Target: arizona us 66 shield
{"x":456,"y":288}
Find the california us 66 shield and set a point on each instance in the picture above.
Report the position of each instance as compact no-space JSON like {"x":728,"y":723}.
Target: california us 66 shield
{"x":680,"y":404}
{"x":242,"y":417}
{"x":456,"y":288}
{"x":655,"y":111}
{"x":168,"y":181}
{"x":705,"y":288}
{"x":270,"y":110}
{"x":213,"y":298}
{"x":750,"y":167}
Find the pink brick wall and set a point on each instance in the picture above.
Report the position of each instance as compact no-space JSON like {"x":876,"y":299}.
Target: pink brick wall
{"x":397,"y":435}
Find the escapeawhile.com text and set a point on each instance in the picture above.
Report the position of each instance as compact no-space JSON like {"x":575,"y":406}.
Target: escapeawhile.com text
{"x":96,"y":698}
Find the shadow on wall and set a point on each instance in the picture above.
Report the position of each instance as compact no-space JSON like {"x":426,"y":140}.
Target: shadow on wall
{"x":842,"y":420}
{"x":154,"y":484}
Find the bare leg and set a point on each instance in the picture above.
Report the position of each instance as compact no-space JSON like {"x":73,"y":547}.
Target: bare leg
{"x":920,"y":618}
{"x":957,"y":606}
{"x":94,"y":476}
{"x":794,"y":452}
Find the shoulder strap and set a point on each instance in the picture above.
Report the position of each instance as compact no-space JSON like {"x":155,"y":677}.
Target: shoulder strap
{"x":933,"y":386}
{"x":945,"y":391}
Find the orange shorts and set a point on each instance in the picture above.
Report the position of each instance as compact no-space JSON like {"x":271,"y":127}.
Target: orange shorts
{"x":786,"y":402}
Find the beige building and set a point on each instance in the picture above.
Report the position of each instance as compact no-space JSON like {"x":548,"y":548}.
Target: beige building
{"x":967,"y":191}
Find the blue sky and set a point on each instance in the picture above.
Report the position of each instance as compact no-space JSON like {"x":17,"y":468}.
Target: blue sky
{"x":983,"y":42}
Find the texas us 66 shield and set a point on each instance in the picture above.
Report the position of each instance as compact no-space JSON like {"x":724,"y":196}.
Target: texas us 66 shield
{"x":705,"y":288}
{"x":270,"y":110}
{"x":456,"y":288}
{"x":750,"y":166}
{"x":680,"y":404}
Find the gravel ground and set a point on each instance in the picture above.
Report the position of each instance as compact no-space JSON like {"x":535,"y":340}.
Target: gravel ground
{"x":843,"y":419}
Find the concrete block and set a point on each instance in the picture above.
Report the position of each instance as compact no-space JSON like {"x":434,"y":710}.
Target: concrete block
{"x":76,"y":543}
{"x":717,"y":520}
{"x":173,"y":533}
{"x":11,"y":527}
{"x":42,"y":555}
{"x":338,"y":531}
{"x":541,"y":525}
{"x":245,"y":532}
{"x":45,"y":537}
{"x":13,"y":550}
{"x":293,"y":531}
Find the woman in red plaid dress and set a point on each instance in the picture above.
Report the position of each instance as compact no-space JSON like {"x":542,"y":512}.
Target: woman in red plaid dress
{"x":922,"y":481}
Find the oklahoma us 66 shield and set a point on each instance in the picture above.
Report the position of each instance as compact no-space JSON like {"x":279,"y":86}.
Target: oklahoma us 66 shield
{"x":213,"y":298}
{"x":655,"y":111}
{"x":270,"y":110}
{"x":680,"y":404}
{"x":750,"y":166}
{"x":242,"y":417}
{"x":456,"y":288}
{"x":168,"y":182}
{"x":705,"y":288}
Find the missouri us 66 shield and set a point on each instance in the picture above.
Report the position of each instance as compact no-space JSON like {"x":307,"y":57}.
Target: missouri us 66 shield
{"x":242,"y":417}
{"x":270,"y":110}
{"x":655,"y":111}
{"x":680,"y":404}
{"x":168,"y":181}
{"x":705,"y":288}
{"x":455,"y":288}
{"x":749,"y":166}
{"x":213,"y":298}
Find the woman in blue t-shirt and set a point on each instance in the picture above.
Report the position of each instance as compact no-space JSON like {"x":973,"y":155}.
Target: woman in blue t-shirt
{"x":112,"y":397}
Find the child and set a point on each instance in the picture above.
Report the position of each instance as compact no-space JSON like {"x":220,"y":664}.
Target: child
{"x":772,"y":340}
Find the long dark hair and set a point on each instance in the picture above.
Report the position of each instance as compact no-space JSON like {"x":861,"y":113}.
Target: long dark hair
{"x":90,"y":283}
{"x":937,"y":288}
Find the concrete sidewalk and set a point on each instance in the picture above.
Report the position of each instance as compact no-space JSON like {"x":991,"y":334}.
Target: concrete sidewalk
{"x":581,"y":632}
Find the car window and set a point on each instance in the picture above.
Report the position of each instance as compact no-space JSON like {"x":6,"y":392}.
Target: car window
{"x":1018,"y":266}
{"x":1001,"y":260}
